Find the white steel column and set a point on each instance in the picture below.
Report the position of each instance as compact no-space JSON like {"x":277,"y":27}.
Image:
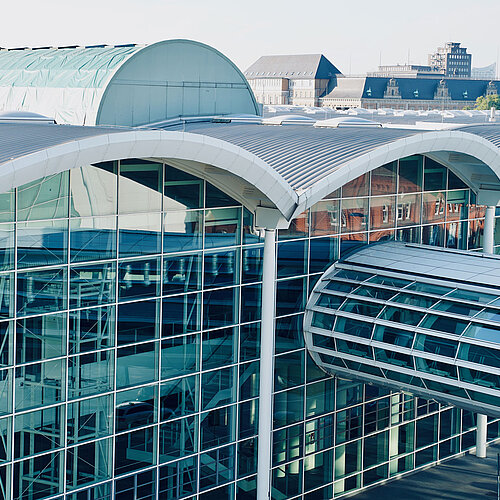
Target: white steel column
{"x":266,"y":366}
{"x":488,"y":247}
{"x":481,"y":435}
{"x":489,"y":230}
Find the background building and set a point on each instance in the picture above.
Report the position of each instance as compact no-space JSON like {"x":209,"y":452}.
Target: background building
{"x":485,"y":72}
{"x":452,"y":59}
{"x":292,"y":79}
{"x":153,"y":288}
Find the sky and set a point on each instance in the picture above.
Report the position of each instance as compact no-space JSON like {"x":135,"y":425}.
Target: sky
{"x":354,"y":34}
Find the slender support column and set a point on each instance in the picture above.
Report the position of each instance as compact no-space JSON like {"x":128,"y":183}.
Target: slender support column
{"x":488,"y":247}
{"x":489,"y":230}
{"x":266,"y":366}
{"x":482,"y":429}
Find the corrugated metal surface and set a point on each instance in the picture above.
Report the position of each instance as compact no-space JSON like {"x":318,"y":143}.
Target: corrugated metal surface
{"x":21,"y":139}
{"x":490,"y":132}
{"x":302,"y":155}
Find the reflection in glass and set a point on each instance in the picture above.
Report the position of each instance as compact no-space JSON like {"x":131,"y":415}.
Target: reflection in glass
{"x":433,"y":207}
{"x":456,"y":235}
{"x":40,"y":337}
{"x":137,"y":364}
{"x":91,"y":329}
{"x":41,"y":291}
{"x":357,"y":187}
{"x":7,"y":206}
{"x":354,"y":215}
{"x":410,"y":174}
{"x":178,"y":439}
{"x":135,"y":450}
{"x":435,"y":175}
{"x":220,"y":307}
{"x":181,"y":314}
{"x":408,"y":209}
{"x":92,"y":285}
{"x":35,"y":476}
{"x":90,"y":374}
{"x":219,"y":348}
{"x":42,"y":243}
{"x":135,"y":408}
{"x":456,"y":205}
{"x":179,"y":356}
{"x":90,"y":419}
{"x":93,"y":238}
{"x":182,"y":231}
{"x":383,"y":179}
{"x":221,"y":269}
{"x":139,"y":279}
{"x":181,"y":190}
{"x":93,"y":189}
{"x":433,"y":235}
{"x":40,"y":384}
{"x":222,"y":227}
{"x":218,"y":388}
{"x":178,"y":479}
{"x":323,"y":252}
{"x":6,"y":247}
{"x":382,"y":212}
{"x":138,"y":322}
{"x":140,"y":187}
{"x":140,"y":234}
{"x":88,"y":463}
{"x":181,"y":273}
{"x":6,"y":295}
{"x":6,"y":343}
{"x":38,"y":431}
{"x":298,"y":228}
{"x":179,"y":397}
{"x":217,"y":427}
{"x":45,"y":198}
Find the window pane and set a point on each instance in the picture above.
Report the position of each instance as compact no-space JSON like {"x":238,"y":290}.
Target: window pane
{"x":354,"y":215}
{"x":221,"y":269}
{"x":91,"y":329}
{"x":219,"y":348}
{"x":41,"y":291}
{"x":140,"y":234}
{"x":45,"y":198}
{"x":138,"y":322}
{"x":382,"y":212}
{"x":433,"y":207}
{"x":140,"y":186}
{"x":222,"y":227}
{"x":93,"y":239}
{"x":178,"y":439}
{"x":139,"y":279}
{"x":41,"y":337}
{"x":135,"y":450}
{"x":40,"y":384}
{"x":42,"y":243}
{"x":408,"y":209}
{"x":135,"y":408}
{"x":181,"y":273}
{"x":218,"y":388}
{"x":357,"y":187}
{"x":90,"y":419}
{"x":6,"y":247}
{"x":410,"y":174}
{"x":92,"y":285}
{"x":179,"y":397}
{"x":179,"y":356}
{"x":91,"y":374}
{"x":220,"y":307}
{"x":182,"y":231}
{"x":181,"y":314}
{"x":182,"y":190}
{"x":93,"y":189}
{"x":137,"y":364}
{"x":435,"y":175}
{"x":383,"y":179}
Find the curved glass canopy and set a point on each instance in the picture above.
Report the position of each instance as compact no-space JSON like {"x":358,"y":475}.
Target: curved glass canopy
{"x":412,"y":317}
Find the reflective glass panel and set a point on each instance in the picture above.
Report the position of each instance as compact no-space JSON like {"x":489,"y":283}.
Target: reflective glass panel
{"x":410,"y":174}
{"x":393,"y":336}
{"x":325,"y":218}
{"x":7,"y":206}
{"x":181,"y":314}
{"x":90,"y":419}
{"x":91,"y":329}
{"x":45,"y":198}
{"x":138,"y":322}
{"x":179,"y":397}
{"x":140,"y":186}
{"x":92,"y":285}
{"x":383,"y":179}
{"x":41,"y":291}
{"x":93,"y":190}
{"x":436,"y":345}
{"x":221,"y":269}
{"x":456,"y":205}
{"x":354,"y":215}
{"x":357,"y":187}
{"x":139,"y":278}
{"x":181,"y":273}
{"x":181,"y":190}
{"x":140,"y":234}
{"x":178,"y":439}
{"x":137,"y":364}
{"x":435,"y":175}
{"x":179,"y":356}
{"x":408,"y":209}
{"x":93,"y":238}
{"x":6,"y":247}
{"x":41,"y":337}
{"x":135,"y":408}
{"x":91,"y":374}
{"x":382,"y":212}
{"x":182,"y":231}
{"x":222,"y":227}
{"x":219,"y":348}
{"x":42,"y":243}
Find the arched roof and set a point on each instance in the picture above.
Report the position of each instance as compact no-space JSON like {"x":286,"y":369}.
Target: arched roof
{"x":285,"y":167}
{"x":89,"y":85}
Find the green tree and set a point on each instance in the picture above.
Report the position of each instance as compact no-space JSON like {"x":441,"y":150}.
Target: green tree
{"x":491,"y":101}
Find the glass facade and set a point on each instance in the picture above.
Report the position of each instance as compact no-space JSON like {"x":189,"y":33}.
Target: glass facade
{"x":130,"y":299}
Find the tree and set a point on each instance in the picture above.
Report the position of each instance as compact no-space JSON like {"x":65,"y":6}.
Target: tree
{"x":490,"y":101}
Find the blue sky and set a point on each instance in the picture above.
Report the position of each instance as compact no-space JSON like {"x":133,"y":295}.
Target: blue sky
{"x":354,"y":34}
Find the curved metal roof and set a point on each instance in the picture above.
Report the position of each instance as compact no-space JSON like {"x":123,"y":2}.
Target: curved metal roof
{"x":412,"y":317}
{"x":84,"y":67}
{"x":301,"y":164}
{"x":124,"y":85}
